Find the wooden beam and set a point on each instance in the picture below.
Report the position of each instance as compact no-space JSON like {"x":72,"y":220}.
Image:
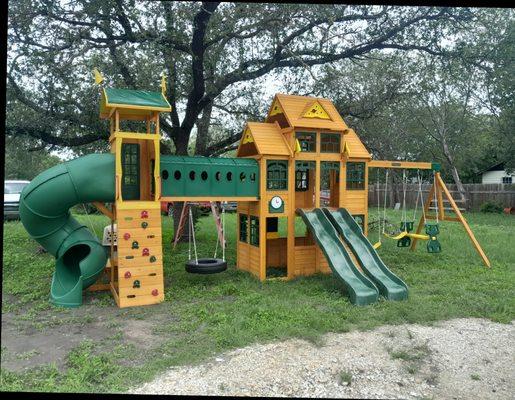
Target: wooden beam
{"x":463,"y":221}
{"x":400,"y":164}
{"x":207,"y":198}
{"x":103,"y":209}
{"x":421,"y":222}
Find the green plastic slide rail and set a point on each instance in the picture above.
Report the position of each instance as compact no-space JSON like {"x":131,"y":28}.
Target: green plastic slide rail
{"x":44,"y":212}
{"x":390,"y":285}
{"x":361,"y":290}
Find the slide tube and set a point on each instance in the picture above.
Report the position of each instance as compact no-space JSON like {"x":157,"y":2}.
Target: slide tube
{"x":44,"y":212}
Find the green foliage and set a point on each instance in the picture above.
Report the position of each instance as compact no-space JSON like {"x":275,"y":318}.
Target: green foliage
{"x":345,"y":377}
{"x":23,"y":164}
{"x":491,"y":206}
{"x":205,"y":315}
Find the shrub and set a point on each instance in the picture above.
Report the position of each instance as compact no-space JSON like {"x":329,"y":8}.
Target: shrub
{"x":491,"y":207}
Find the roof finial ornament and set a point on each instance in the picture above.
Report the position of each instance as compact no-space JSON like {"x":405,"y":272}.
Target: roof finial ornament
{"x":163,"y":83}
{"x":99,"y":79}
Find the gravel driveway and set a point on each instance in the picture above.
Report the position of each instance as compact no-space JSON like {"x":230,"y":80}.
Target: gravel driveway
{"x":456,"y":359}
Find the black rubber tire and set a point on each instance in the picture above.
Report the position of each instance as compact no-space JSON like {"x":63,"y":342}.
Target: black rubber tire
{"x":206,"y":266}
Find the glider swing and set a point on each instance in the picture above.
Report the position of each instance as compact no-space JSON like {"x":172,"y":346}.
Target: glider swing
{"x":206,"y":265}
{"x":405,"y":234}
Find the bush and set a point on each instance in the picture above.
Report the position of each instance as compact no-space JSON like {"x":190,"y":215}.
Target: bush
{"x":491,"y":207}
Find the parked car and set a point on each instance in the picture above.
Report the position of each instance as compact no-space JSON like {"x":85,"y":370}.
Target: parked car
{"x":12,"y":191}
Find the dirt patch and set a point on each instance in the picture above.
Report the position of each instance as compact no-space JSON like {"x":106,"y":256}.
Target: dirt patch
{"x":48,"y":337}
{"x":457,"y":359}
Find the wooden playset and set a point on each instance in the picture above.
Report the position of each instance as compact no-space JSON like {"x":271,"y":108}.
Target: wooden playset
{"x":300,"y":179}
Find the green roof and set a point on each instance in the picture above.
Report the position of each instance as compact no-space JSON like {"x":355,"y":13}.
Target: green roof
{"x":199,"y":160}
{"x":140,"y":98}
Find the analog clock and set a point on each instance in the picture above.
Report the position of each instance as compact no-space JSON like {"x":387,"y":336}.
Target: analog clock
{"x":276,"y":202}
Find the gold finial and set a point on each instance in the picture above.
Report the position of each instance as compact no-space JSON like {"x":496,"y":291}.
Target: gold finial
{"x":163,"y":84}
{"x":99,"y":79}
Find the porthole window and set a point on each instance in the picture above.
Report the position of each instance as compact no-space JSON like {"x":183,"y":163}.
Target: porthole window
{"x":164,"y":174}
{"x":177,"y":175}
{"x":192,"y":175}
{"x":229,"y":176}
{"x":242,"y":177}
{"x":218,"y":175}
{"x":203,"y":175}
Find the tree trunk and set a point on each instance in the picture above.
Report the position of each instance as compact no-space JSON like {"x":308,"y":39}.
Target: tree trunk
{"x":454,"y":170}
{"x":203,"y":130}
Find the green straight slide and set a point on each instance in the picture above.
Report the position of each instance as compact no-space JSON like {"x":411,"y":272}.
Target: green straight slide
{"x":360,"y":289}
{"x":390,"y":285}
{"x":44,"y":212}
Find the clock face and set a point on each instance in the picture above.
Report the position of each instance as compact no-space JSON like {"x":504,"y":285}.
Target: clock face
{"x":276,"y":202}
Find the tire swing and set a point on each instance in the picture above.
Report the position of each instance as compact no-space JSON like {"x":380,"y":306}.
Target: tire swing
{"x":205,"y":265}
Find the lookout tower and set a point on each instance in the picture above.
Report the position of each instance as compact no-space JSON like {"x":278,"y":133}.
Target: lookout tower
{"x":137,"y":264}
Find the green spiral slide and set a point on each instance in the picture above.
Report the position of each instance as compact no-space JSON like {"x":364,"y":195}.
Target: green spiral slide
{"x":44,"y":212}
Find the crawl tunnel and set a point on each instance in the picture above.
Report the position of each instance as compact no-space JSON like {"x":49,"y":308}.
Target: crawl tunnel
{"x":209,"y":177}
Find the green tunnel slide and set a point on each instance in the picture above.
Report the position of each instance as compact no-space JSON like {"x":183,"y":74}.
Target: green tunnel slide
{"x":326,"y":226}
{"x":44,"y":212}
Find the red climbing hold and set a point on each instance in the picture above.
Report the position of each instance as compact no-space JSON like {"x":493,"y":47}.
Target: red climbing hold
{"x":127,"y":275}
{"x":146,"y":252}
{"x":155,"y":292}
{"x":144,"y":214}
{"x":127,"y":236}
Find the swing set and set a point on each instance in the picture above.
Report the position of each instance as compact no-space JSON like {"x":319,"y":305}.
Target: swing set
{"x":405,"y":236}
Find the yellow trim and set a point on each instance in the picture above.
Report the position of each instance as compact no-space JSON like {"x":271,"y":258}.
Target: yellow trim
{"x":399,"y":164}
{"x":134,"y":135}
{"x":346,"y":148}
{"x":376,"y":245}
{"x":315,"y":110}
{"x":137,"y":205}
{"x":247,"y":136}
{"x":132,"y":106}
{"x":276,"y":108}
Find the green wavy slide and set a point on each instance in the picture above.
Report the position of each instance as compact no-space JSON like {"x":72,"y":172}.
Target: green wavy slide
{"x":390,"y":285}
{"x":44,"y":212}
{"x":361,"y":290}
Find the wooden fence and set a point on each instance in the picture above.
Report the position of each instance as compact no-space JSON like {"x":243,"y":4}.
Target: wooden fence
{"x":476,"y":195}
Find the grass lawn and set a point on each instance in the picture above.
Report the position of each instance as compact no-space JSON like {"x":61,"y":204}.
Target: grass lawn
{"x":100,"y":348}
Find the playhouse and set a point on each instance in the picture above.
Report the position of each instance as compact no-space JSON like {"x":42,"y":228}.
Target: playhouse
{"x":300,"y":179}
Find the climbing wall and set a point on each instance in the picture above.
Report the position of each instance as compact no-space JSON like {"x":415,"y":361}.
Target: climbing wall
{"x":139,"y":269}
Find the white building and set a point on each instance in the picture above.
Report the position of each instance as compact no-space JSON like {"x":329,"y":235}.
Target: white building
{"x":496,"y":174}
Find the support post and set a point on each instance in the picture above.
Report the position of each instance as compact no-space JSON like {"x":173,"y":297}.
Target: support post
{"x":457,"y":211}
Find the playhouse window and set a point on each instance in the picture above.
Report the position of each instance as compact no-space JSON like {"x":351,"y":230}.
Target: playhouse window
{"x":355,"y":176}
{"x":254,"y":231}
{"x":507,"y":180}
{"x":329,"y":142}
{"x":307,"y":141}
{"x":302,"y":175}
{"x":276,"y":175}
{"x":243,"y":228}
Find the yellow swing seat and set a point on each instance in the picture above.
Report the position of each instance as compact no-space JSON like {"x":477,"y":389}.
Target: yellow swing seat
{"x":418,"y":236}
{"x":397,"y":237}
